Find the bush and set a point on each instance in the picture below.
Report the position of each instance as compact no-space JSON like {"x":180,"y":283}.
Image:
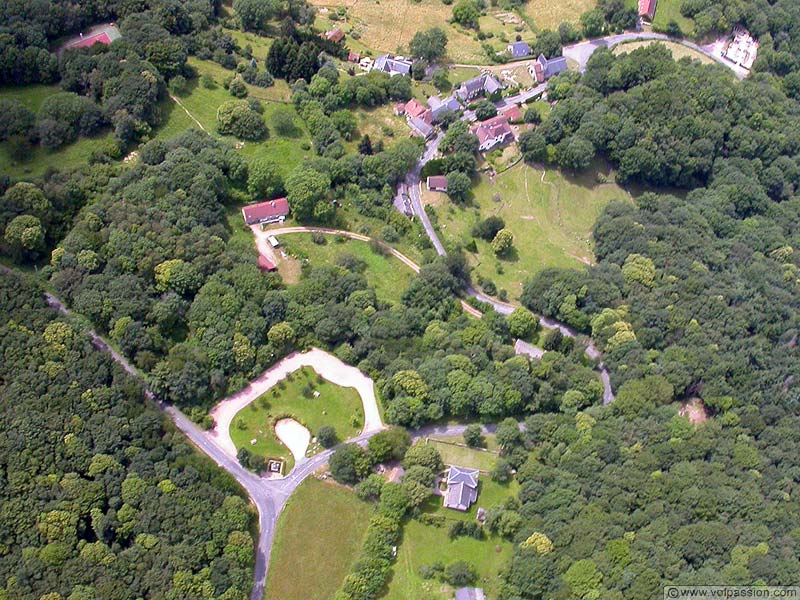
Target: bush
{"x":237,"y":118}
{"x":488,"y":228}
{"x":327,"y":436}
{"x":207,"y":81}
{"x":460,"y":573}
{"x":473,"y":436}
{"x":237,"y":87}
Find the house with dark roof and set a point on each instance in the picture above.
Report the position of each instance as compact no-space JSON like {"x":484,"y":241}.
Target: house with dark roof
{"x":493,"y":132}
{"x":647,"y":9}
{"x":466,"y":593}
{"x":386,"y":63}
{"x":420,"y":127}
{"x":462,"y":488}
{"x":484,"y":84}
{"x":518,"y":50}
{"x":271,"y":211}
{"x":437,"y":183}
{"x":438,"y":106}
{"x":543,"y":68}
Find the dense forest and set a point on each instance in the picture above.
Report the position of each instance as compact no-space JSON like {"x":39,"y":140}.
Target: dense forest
{"x":100,"y":498}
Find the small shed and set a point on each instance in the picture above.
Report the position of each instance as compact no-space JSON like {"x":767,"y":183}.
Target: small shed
{"x":437,"y":183}
{"x":265,"y":264}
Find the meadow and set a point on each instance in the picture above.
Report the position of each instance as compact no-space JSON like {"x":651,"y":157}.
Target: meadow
{"x":318,"y":538}
{"x":294,"y":397}
{"x":546,"y":14}
{"x":453,"y":452}
{"x":386,"y":274}
{"x":550,"y":214}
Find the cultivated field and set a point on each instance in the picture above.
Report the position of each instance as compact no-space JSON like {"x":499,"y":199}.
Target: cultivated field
{"x":294,"y":397}
{"x":547,"y":14}
{"x":551,"y":216}
{"x":387,"y":275}
{"x":318,"y":537}
{"x":678,"y":50}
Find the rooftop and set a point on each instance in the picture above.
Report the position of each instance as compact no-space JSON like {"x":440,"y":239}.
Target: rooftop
{"x":265,"y":211}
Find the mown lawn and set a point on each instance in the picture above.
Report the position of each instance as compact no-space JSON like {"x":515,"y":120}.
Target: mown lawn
{"x":454,"y":453}
{"x":294,"y":397}
{"x":427,"y":544}
{"x":386,"y":274}
{"x":670,"y":10}
{"x":318,"y":538}
{"x":551,"y":218}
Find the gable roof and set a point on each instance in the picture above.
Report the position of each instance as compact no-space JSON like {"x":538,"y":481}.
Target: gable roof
{"x":334,"y":35}
{"x":519,"y":49}
{"x":263,"y":211}
{"x":438,"y":182}
{"x":513,"y":112}
{"x":389,"y":64}
{"x":414,"y":108}
{"x":460,"y":496}
{"x":491,"y":129}
{"x":485,"y":81}
{"x":466,"y":593}
{"x":420,"y":126}
{"x":647,"y":8}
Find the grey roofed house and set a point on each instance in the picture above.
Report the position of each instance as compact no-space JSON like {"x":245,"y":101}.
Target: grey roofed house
{"x":553,"y":66}
{"x":482,"y":84}
{"x":519,"y":49}
{"x":438,"y":106}
{"x":391,"y":65}
{"x":462,"y":488}
{"x":421,"y":127}
{"x":466,"y":593}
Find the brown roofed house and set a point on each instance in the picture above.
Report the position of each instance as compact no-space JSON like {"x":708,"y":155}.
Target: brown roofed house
{"x":437,"y":183}
{"x":493,"y":132}
{"x":334,"y":35}
{"x":414,"y":108}
{"x":513,"y":113}
{"x":271,"y":211}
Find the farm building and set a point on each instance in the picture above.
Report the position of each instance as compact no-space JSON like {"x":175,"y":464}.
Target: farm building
{"x":102,"y":34}
{"x":462,"y":488}
{"x":353,"y":57}
{"x":271,"y":211}
{"x":543,"y":68}
{"x":437,"y":183}
{"x":493,"y":132}
{"x":647,"y":9}
{"x":485,"y":84}
{"x":518,"y":50}
{"x":334,"y":35}
{"x":387,"y":63}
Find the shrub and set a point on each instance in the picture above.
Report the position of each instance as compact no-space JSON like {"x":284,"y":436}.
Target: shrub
{"x":327,"y":436}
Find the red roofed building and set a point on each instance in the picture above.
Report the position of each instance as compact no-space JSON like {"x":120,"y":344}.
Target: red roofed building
{"x":647,"y":9}
{"x":437,"y":183}
{"x":512,"y":112}
{"x":271,"y":211}
{"x":493,"y":132}
{"x":353,"y":57}
{"x":265,"y":264}
{"x":414,"y":108}
{"x":334,"y":35}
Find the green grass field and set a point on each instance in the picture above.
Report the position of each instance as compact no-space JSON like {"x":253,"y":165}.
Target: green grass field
{"x":386,"y":274}
{"x":453,"y":453}
{"x":551,"y":218}
{"x":547,"y":14}
{"x":30,"y":96}
{"x":336,"y":406}
{"x":425,"y":544}
{"x":318,"y":538}
{"x":670,"y":10}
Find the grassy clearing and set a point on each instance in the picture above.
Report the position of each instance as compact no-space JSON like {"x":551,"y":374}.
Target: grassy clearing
{"x":258,"y":43}
{"x":378,"y":123}
{"x":547,"y":14}
{"x":317,"y":540}
{"x":294,"y":397}
{"x":670,"y":10}
{"x":453,"y":453}
{"x":30,"y":96}
{"x":551,"y":218}
{"x":377,"y":27}
{"x":678,"y":51}
{"x":387,"y":275}
{"x":39,"y":159}
{"x":426,"y":544}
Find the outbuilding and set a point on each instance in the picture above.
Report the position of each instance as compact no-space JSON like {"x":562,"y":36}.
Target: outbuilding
{"x":437,"y":183}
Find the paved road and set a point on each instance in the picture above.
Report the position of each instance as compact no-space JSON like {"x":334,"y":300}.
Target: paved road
{"x":581,"y":51}
{"x":412,"y":186}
